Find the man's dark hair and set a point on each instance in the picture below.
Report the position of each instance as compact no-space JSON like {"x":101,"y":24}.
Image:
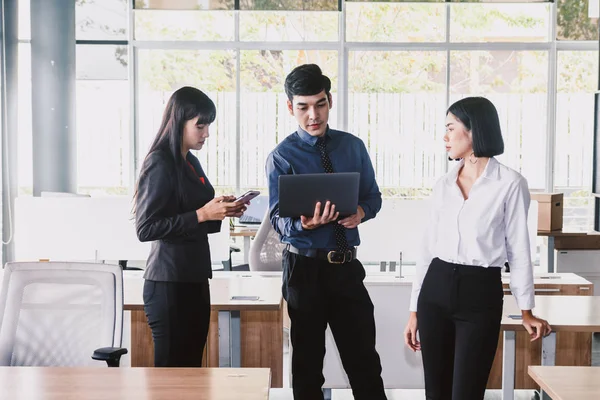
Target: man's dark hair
{"x":306,"y":80}
{"x":479,"y":115}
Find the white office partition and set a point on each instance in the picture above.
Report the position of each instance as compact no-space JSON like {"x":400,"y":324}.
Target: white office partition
{"x":219,"y":243}
{"x":87,"y":228}
{"x":76,"y":228}
{"x":401,"y":368}
{"x":396,"y":229}
{"x":399,"y":226}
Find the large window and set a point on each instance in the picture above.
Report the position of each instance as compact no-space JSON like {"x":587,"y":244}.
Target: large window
{"x":180,"y":25}
{"x":577,"y":20}
{"x":25,"y":123}
{"x":487,"y":23}
{"x":102,"y":115}
{"x":103,"y":102}
{"x":161,"y":72}
{"x":288,"y":26}
{"x":577,"y":75}
{"x":101,"y":19}
{"x":264,"y":116}
{"x":395,"y":66}
{"x":516,"y":82}
{"x":395,"y":22}
{"x":396,"y":105}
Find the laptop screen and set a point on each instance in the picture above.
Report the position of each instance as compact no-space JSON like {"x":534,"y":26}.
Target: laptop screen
{"x":256,"y":211}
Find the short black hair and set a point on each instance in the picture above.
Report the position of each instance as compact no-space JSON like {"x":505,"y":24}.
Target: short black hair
{"x":306,"y":80}
{"x":479,"y":116}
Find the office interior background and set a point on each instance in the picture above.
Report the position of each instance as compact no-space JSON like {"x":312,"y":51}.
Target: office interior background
{"x":395,"y":68}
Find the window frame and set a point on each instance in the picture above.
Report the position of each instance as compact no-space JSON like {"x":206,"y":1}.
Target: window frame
{"x":344,"y":47}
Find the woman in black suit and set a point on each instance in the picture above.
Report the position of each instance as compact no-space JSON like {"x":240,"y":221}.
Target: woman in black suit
{"x":176,"y":209}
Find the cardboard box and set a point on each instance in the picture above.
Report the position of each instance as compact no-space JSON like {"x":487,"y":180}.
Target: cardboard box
{"x":550,"y":211}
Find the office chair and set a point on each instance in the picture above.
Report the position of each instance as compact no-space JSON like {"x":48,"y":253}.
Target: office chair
{"x":266,"y":249}
{"x":60,"y":314}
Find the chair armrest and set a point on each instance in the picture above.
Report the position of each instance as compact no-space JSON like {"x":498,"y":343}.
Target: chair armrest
{"x":234,"y":249}
{"x":112,"y":355}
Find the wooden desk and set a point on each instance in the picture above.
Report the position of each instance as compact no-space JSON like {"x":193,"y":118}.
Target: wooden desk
{"x":57,"y":383}
{"x":568,"y":383}
{"x":247,"y":233}
{"x":251,"y":332}
{"x":564,"y":313}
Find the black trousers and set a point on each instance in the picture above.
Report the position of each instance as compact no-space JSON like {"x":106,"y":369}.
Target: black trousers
{"x":458,"y":314}
{"x":319,"y":293}
{"x":178,"y":315}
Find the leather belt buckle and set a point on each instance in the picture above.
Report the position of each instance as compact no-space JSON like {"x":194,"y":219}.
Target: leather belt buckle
{"x":339,"y":257}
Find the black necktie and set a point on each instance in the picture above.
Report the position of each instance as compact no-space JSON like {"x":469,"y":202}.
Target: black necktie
{"x":340,"y":231}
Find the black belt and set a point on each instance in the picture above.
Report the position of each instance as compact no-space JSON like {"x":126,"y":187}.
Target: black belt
{"x":331,"y":256}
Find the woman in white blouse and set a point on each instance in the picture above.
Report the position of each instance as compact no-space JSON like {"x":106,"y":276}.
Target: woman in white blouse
{"x":478,"y":222}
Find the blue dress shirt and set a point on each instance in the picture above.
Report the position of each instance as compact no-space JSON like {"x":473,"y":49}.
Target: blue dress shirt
{"x":298,"y":154}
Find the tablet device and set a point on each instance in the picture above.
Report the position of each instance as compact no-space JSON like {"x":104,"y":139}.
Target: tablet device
{"x":298,"y":194}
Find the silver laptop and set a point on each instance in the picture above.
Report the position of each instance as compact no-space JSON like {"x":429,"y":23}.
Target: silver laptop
{"x":255,"y":212}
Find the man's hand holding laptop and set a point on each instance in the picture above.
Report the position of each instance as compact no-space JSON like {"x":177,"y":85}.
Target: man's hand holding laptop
{"x":353,"y":220}
{"x":329,"y":215}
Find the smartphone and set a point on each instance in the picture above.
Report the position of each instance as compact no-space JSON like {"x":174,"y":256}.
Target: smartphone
{"x":249,"y":195}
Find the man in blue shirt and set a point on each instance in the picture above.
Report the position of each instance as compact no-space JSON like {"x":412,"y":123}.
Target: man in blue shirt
{"x":322,"y":279}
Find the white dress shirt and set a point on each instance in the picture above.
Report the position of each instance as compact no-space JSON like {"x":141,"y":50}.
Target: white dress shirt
{"x":486,"y":230}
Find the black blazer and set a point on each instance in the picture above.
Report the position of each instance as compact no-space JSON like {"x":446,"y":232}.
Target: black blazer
{"x":179,"y":251}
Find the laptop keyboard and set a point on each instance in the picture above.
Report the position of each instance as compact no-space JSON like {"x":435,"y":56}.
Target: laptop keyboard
{"x":247,"y":219}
